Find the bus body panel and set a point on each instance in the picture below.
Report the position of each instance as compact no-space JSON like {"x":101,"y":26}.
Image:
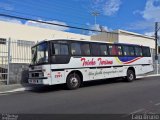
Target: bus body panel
{"x":96,"y":71}
{"x":40,"y":74}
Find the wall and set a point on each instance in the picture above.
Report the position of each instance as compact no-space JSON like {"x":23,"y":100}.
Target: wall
{"x":18,"y":73}
{"x":127,"y":38}
{"x":108,"y":37}
{"x":24,"y":32}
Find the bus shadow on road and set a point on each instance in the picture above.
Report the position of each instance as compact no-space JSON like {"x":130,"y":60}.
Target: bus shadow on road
{"x":47,"y":88}
{"x":103,"y":82}
{"x":55,"y":88}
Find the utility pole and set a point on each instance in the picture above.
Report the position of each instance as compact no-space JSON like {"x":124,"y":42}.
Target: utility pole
{"x":156,"y":44}
{"x":95,"y":14}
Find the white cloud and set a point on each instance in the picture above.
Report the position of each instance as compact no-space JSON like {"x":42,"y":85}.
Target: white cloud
{"x":149,"y":33}
{"x":42,"y":25}
{"x":6,"y":6}
{"x":152,"y":10}
{"x":141,"y":25}
{"x":37,"y":24}
{"x":105,"y":7}
{"x":98,"y":28}
{"x":151,"y":14}
{"x":10,"y":20}
{"x":111,"y":7}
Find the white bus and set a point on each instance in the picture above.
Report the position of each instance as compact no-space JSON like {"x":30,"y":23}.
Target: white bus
{"x":72,"y":62}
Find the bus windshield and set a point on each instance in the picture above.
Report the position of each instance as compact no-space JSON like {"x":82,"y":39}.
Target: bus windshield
{"x":40,"y":53}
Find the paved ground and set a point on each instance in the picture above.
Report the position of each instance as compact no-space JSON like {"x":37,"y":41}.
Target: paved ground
{"x":103,"y":96}
{"x":15,"y":87}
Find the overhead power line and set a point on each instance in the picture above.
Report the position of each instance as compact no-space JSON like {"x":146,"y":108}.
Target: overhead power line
{"x":48,"y":8}
{"x":50,"y":23}
{"x":41,"y":17}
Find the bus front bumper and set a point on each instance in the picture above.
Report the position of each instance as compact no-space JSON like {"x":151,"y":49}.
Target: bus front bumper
{"x":39,"y":81}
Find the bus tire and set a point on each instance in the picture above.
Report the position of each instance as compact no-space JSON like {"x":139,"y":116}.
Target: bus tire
{"x":130,"y":76}
{"x":73,"y":81}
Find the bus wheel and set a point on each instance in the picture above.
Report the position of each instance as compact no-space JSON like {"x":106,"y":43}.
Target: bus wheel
{"x":73,"y":81}
{"x":130,"y":76}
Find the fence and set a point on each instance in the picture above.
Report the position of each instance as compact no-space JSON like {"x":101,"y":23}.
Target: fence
{"x":15,"y":56}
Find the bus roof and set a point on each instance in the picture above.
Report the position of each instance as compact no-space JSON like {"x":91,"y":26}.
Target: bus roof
{"x":86,"y":41}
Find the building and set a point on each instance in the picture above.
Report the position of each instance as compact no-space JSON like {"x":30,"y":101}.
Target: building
{"x":31,"y":33}
{"x":121,"y":36}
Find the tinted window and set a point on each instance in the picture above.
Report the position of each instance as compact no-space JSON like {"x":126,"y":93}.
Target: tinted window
{"x":75,"y":49}
{"x":138,"y":51}
{"x":85,"y":48}
{"x":60,"y":49}
{"x":95,"y":49}
{"x":115,"y":50}
{"x":119,"y":48}
{"x":103,"y":50}
{"x":128,"y":51}
{"x":131,"y":51}
{"x":146,"y":52}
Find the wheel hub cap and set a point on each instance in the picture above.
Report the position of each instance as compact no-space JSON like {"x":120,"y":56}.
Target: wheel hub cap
{"x":74,"y":82}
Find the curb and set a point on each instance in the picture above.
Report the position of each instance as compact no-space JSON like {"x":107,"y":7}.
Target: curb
{"x":154,"y":75}
{"x":17,"y":90}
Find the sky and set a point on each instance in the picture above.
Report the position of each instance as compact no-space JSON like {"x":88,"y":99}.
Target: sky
{"x":131,"y":15}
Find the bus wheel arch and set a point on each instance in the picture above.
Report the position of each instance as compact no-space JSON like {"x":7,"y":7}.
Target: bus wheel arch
{"x":74,"y":79}
{"x":130,"y":75}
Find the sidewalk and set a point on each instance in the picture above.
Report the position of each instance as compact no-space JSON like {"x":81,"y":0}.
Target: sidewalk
{"x":14,"y":88}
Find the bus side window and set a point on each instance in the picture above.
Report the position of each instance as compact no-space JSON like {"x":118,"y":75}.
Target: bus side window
{"x":85,"y":48}
{"x":131,"y":51}
{"x":112,"y":50}
{"x":64,"y":49}
{"x":103,"y":50}
{"x":60,"y":49}
{"x":115,"y":50}
{"x":95,"y":48}
{"x":126,"y":51}
{"x":56,"y":49}
{"x":75,"y":49}
{"x":138,"y":51}
{"x":119,"y":49}
{"x":146,"y":52}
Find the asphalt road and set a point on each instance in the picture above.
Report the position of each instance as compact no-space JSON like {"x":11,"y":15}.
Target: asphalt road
{"x":98,"y":97}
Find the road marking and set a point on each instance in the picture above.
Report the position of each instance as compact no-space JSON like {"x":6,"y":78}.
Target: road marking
{"x":139,"y":110}
{"x":4,"y":94}
{"x":16,"y":90}
{"x":136,"y":111}
{"x":154,"y":75}
{"x":157,"y":104}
